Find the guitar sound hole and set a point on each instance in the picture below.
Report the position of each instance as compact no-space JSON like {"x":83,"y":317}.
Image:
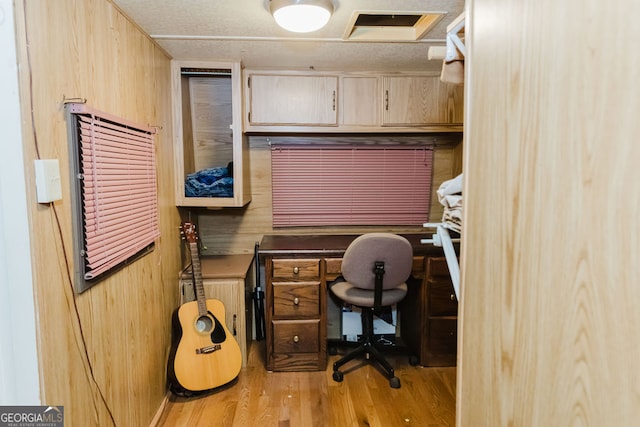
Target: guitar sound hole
{"x":204,"y":324}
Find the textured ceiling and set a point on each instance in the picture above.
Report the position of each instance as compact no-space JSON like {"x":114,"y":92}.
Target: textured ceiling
{"x":244,"y":30}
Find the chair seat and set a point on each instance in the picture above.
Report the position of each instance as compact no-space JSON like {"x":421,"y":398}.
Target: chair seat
{"x":364,"y":297}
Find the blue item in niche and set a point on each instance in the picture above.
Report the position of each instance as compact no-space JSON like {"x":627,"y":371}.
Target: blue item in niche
{"x":210,"y":182}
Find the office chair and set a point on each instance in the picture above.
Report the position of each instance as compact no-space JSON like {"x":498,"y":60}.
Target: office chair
{"x":375,"y":268}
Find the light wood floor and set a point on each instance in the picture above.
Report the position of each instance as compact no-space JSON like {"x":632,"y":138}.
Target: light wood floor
{"x":364,"y":398}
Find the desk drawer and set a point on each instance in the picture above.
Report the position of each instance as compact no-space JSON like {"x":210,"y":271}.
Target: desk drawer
{"x":296,"y":299}
{"x":442,"y":299}
{"x":443,"y":336}
{"x":296,"y":269}
{"x":296,"y":336}
{"x":417,"y":269}
{"x":437,"y":268}
{"x":333,"y":268}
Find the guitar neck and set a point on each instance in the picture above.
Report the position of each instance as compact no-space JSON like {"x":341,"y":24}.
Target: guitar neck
{"x":197,"y":279}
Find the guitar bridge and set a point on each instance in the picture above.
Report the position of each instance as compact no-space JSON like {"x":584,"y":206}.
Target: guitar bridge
{"x":208,"y":349}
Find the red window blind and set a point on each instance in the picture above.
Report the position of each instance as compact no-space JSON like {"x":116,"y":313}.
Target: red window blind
{"x":118,"y":192}
{"x":316,"y":186}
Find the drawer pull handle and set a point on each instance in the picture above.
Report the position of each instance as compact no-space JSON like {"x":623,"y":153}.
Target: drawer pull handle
{"x":296,"y":338}
{"x":296,"y":301}
{"x":452,"y":297}
{"x":296,"y":270}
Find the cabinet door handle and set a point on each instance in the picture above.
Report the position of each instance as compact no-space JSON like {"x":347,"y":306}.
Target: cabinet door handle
{"x":296,"y":301}
{"x":452,"y":297}
{"x":235,"y":318}
{"x":386,"y":100}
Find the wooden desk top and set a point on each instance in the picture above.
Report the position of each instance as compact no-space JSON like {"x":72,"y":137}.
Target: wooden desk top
{"x":222,"y":266}
{"x":328,"y":245}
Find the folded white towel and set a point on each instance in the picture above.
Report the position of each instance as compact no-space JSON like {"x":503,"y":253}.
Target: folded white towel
{"x":450,"y":196}
{"x":454,"y":215}
{"x":451,"y":201}
{"x":452,"y":219}
{"x":452,"y":186}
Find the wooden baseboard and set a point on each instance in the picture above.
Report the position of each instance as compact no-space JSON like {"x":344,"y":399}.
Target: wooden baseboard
{"x":161,"y":408}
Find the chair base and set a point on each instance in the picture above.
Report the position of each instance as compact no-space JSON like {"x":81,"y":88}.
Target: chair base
{"x":368,"y":348}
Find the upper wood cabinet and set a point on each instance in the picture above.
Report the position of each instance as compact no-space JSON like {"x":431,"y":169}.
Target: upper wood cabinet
{"x":312,"y":101}
{"x":211,"y":153}
{"x":307,"y":100}
{"x":420,"y":100}
{"x":359,"y":101}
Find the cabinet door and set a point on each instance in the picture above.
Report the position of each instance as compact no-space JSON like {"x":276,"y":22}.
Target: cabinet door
{"x":211,"y":158}
{"x":231,"y":293}
{"x":293,"y":100}
{"x":420,"y":100}
{"x":359,"y":101}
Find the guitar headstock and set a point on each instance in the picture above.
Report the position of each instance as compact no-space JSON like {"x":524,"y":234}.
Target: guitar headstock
{"x":188,"y":232}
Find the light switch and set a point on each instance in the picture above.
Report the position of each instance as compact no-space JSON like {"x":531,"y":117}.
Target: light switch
{"x":48,"y":187}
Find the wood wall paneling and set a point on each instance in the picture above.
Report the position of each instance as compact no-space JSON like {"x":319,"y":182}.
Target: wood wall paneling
{"x":550,"y":327}
{"x":119,"y":329}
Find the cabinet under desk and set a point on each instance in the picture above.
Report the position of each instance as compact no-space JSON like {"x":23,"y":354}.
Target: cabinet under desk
{"x":230,"y":279}
{"x":297,"y":271}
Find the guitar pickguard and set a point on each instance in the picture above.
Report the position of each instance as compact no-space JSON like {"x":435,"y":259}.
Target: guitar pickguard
{"x":218,"y":335}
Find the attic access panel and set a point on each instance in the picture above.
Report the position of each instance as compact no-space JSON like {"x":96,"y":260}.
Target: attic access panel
{"x":390,"y":26}
{"x":386,"y":20}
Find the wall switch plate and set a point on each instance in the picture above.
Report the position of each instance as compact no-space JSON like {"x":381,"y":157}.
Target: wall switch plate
{"x":48,"y":187}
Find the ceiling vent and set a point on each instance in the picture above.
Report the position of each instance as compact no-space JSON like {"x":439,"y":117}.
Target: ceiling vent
{"x":390,"y":26}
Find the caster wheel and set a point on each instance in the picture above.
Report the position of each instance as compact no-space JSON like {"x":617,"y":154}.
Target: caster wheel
{"x":413,"y":360}
{"x":338,"y":376}
{"x":394,"y":382}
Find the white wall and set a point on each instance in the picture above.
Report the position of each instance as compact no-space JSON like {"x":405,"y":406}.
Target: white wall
{"x":19,"y":381}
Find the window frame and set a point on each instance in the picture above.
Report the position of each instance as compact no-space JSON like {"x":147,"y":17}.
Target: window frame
{"x":136,"y":154}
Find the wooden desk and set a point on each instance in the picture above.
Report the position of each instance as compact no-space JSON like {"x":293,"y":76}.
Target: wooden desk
{"x":297,"y":269}
{"x":227,"y":278}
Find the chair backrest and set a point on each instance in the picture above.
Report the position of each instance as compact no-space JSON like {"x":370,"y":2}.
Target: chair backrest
{"x":360,"y":257}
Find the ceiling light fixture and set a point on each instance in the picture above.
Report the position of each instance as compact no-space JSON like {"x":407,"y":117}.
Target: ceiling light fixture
{"x":301,"y":16}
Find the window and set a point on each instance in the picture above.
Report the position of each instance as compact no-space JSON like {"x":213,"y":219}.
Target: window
{"x":355,"y":185}
{"x":115,"y":214}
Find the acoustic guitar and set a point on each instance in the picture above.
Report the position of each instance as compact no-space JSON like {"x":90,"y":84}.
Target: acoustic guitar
{"x":204,"y":354}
